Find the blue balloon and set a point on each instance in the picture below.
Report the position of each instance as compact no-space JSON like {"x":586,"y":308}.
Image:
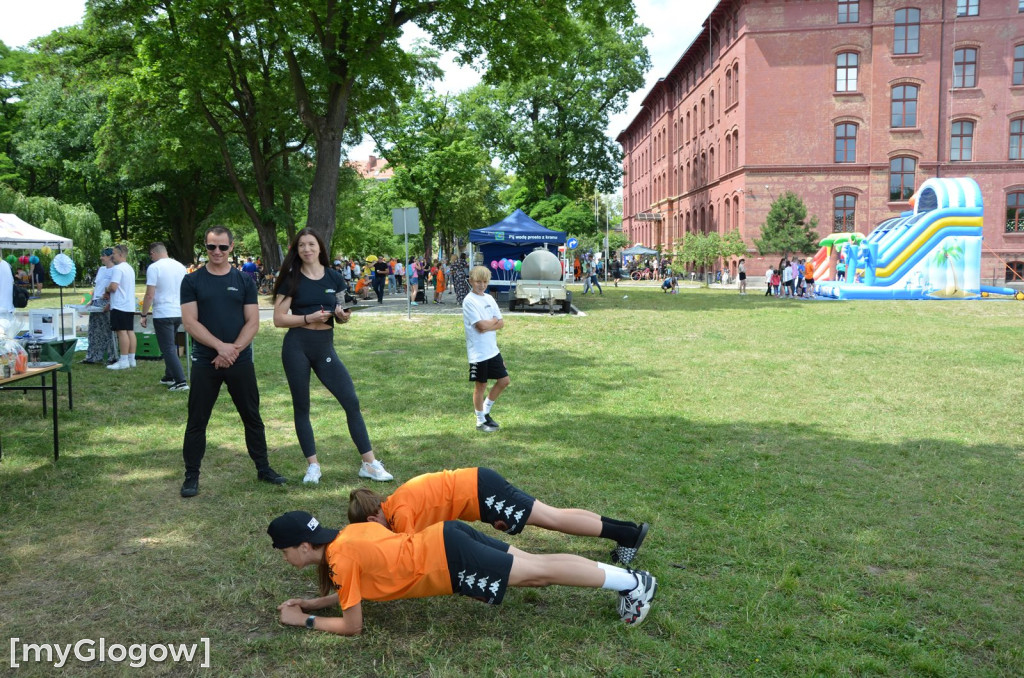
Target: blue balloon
{"x":509,"y":264}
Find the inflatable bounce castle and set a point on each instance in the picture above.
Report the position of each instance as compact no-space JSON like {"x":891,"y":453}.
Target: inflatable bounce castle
{"x":931,"y":252}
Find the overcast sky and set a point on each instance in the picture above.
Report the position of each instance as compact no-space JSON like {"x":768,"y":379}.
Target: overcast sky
{"x":673,"y":23}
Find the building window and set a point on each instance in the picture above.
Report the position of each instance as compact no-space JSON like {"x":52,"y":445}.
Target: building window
{"x":1018,"y":64}
{"x":904,"y":106}
{"x":1015,"y":212}
{"x":901,"y":178}
{"x":846,"y":72}
{"x":849,"y":11}
{"x":736,"y":82}
{"x":728,"y":86}
{"x":907,"y":36}
{"x":1015,"y":271}
{"x":965,"y":67}
{"x":846,"y":142}
{"x":711,"y":107}
{"x":967,"y":7}
{"x":962,"y":141}
{"x":1017,"y":139}
{"x":844,"y":207}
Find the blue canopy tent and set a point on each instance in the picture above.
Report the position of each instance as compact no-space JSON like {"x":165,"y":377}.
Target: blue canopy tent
{"x":514,"y":237}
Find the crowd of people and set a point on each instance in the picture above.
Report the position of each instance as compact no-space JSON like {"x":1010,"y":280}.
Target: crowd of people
{"x":791,"y":278}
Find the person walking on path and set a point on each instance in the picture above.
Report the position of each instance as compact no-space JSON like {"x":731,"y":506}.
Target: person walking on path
{"x":163,"y":295}
{"x":219,"y":308}
{"x":122,"y":308}
{"x":481,"y":494}
{"x":305,"y":303}
{"x":481,"y":319}
{"x":743,"y":275}
{"x":366,"y":561}
{"x":102,"y":343}
{"x":380,"y":278}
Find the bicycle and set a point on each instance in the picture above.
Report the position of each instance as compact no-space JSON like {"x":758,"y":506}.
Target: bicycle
{"x":645,"y":274}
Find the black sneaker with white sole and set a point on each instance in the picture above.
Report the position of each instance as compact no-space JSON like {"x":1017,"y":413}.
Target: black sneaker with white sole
{"x":190,"y":487}
{"x":166,"y":381}
{"x":635,"y":603}
{"x":180,"y":386}
{"x":489,"y":420}
{"x":485,"y":427}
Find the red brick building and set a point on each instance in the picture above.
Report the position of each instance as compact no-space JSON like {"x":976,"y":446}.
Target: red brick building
{"x":851,"y":104}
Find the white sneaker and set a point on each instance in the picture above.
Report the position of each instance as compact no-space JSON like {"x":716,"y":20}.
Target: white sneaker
{"x":131,"y":362}
{"x":375,"y":471}
{"x":312,"y":474}
{"x":635,"y":603}
{"x":119,"y":365}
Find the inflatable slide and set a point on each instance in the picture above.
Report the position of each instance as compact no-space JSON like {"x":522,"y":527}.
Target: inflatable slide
{"x":931,"y":252}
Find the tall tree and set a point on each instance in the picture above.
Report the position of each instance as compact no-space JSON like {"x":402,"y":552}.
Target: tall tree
{"x":549,"y":125}
{"x":343,"y":57}
{"x":438,"y":166}
{"x":786,"y":228}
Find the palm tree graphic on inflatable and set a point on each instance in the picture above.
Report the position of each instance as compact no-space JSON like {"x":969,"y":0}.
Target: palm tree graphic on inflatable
{"x":948,"y":254}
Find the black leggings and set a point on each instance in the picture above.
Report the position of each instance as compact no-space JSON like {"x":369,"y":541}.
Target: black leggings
{"x":304,"y":349}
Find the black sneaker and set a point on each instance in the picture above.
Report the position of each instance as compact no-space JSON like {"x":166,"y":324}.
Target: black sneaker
{"x":190,"y":487}
{"x":485,"y":427}
{"x":269,"y":475}
{"x":488,"y":420}
{"x":167,"y":381}
{"x":626,"y":554}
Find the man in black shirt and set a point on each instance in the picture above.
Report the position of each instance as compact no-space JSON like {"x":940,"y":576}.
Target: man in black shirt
{"x":380,"y":276}
{"x":219,"y":309}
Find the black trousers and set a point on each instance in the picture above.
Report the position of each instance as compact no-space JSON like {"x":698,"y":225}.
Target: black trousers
{"x":378,"y":286}
{"x":206,"y":383}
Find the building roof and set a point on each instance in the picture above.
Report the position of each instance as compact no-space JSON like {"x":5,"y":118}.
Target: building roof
{"x":373,"y":168}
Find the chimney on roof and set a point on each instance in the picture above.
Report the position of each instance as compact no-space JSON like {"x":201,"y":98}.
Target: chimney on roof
{"x":372,"y":162}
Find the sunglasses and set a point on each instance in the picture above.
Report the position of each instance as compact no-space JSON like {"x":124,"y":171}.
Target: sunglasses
{"x":223,"y":248}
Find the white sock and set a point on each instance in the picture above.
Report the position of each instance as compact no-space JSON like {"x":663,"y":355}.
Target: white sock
{"x":131,"y":358}
{"x":480,"y":417}
{"x":617,"y":578}
{"x":124,"y":359}
{"x":488,"y":404}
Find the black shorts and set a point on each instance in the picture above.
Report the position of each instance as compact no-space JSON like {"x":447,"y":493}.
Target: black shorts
{"x":743,"y":275}
{"x":502,"y":504}
{"x":809,"y":281}
{"x":122,"y":320}
{"x":492,"y":368}
{"x":478,"y":565}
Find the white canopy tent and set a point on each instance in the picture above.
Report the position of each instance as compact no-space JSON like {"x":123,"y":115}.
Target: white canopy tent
{"x":16,"y":234}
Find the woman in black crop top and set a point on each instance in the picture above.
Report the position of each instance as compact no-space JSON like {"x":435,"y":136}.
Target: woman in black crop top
{"x":305,"y":302}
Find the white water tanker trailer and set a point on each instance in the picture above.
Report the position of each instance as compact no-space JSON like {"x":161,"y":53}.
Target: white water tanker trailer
{"x":540,"y":282}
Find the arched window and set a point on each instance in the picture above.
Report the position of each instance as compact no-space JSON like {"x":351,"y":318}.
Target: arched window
{"x":965,"y":67}
{"x":728,"y":152}
{"x":1015,"y":212}
{"x":736,"y":212}
{"x":703,"y":115}
{"x":901,"y":178}
{"x":725,"y":216}
{"x":711,"y":107}
{"x":846,"y":142}
{"x":736,"y":83}
{"x":711,"y":219}
{"x":907,"y":33}
{"x":846,"y":71}
{"x":728,"y":86}
{"x":736,"y":148}
{"x":712,"y":173}
{"x":1017,"y":139}
{"x":844,"y":206}
{"x":904,"y":106}
{"x":961,"y":145}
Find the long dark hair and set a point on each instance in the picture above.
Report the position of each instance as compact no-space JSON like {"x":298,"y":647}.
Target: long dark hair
{"x":291,"y":267}
{"x":323,"y":575}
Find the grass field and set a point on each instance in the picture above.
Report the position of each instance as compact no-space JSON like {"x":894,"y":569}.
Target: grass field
{"x":834,"y":489}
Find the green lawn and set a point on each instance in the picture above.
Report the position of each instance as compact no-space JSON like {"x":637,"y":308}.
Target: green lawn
{"x":835,"y":488}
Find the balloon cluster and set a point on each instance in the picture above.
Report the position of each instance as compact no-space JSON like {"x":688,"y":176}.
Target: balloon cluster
{"x":507,"y":268}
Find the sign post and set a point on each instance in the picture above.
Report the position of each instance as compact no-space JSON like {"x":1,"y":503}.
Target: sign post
{"x":406,"y":220}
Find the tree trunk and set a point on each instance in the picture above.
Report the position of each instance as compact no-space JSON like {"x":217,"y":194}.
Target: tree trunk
{"x":323,"y":193}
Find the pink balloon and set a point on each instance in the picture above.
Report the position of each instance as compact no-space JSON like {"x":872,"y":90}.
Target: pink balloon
{"x":494,"y":265}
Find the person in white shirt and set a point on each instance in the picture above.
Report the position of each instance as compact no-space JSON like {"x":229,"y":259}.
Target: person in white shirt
{"x":122,"y":308}
{"x":482,"y":319}
{"x":6,"y":288}
{"x":163,"y":294}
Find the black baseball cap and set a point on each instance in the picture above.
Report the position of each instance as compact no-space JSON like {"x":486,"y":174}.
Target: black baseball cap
{"x":296,"y":527}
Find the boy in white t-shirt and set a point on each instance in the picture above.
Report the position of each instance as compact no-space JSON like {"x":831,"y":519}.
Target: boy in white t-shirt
{"x":481,"y":319}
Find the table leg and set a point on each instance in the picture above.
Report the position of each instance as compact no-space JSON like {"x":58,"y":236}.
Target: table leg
{"x":56,"y":448}
{"x":71,"y":401}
